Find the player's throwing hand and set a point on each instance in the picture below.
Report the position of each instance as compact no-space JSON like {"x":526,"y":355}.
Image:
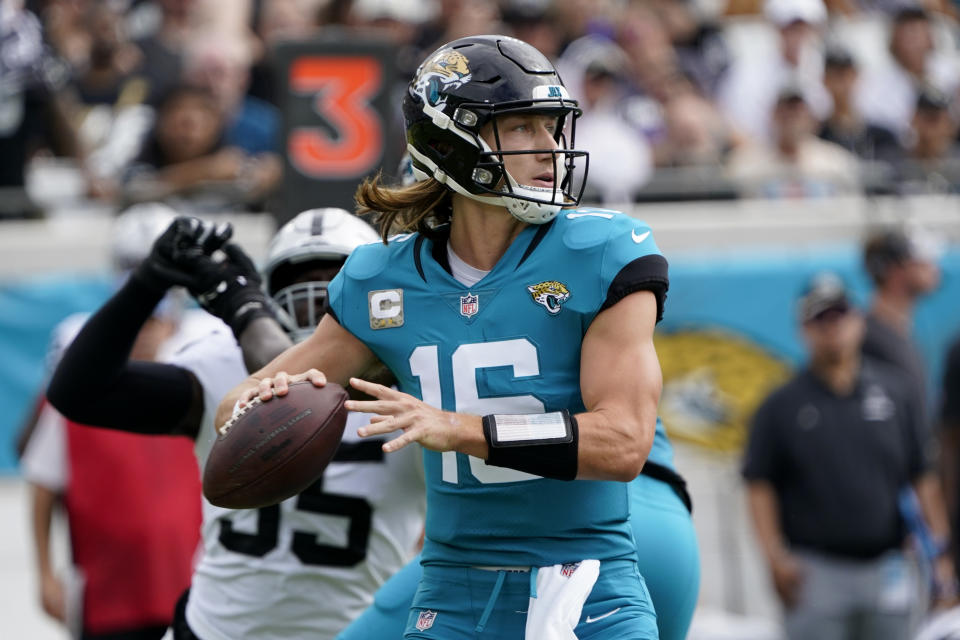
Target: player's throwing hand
{"x":433,"y":428}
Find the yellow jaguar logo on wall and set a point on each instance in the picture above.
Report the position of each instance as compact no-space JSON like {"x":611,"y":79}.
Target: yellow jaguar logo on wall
{"x":713,"y":382}
{"x":550,"y":295}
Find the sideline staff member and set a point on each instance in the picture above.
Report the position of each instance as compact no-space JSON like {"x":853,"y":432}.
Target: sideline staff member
{"x":827,"y":457}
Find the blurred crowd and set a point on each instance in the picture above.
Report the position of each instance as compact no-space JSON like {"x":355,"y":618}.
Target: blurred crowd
{"x":120,"y":101}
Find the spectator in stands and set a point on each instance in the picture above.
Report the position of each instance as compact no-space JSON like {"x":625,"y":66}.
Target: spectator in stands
{"x":697,"y":135}
{"x":701,"y":50}
{"x":798,"y":163}
{"x":535,"y":23}
{"x":65,"y":30}
{"x":934,"y":130}
{"x":827,"y":457}
{"x":576,"y":19}
{"x":846,"y":126}
{"x":186,"y":159}
{"x":620,"y":157}
{"x":453,"y":19}
{"x":221,"y":65}
{"x":108,"y":75}
{"x":887,"y":96}
{"x":748,"y":92}
{"x":163,"y":50}
{"x":274,"y":22}
{"x":932,"y":161}
{"x":34,"y":111}
{"x":654,"y":66}
{"x":110,"y":96}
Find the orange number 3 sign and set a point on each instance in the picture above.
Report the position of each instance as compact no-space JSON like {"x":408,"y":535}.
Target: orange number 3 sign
{"x":342,"y":87}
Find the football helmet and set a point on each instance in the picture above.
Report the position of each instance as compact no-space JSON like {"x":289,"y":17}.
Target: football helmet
{"x":469,"y":82}
{"x":303,"y":257}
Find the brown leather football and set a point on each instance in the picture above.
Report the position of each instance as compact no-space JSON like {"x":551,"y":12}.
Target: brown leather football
{"x":273,"y":450}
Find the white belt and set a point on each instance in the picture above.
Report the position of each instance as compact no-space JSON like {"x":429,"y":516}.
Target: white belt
{"x":498,"y":568}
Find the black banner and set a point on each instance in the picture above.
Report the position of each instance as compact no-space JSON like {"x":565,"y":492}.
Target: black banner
{"x":339,"y":122}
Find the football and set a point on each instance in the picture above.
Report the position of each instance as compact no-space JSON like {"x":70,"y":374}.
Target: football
{"x":270,"y":451}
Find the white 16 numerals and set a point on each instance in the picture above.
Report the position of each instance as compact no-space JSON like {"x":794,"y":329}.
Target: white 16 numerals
{"x":519,"y":354}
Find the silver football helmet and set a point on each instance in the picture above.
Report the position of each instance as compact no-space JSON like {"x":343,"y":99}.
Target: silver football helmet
{"x":303,"y":257}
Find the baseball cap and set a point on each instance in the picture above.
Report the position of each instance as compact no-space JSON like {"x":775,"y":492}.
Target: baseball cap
{"x":784,"y":12}
{"x":824,"y":292}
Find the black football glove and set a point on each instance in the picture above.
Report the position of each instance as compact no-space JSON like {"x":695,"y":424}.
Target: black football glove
{"x":232,"y":291}
{"x":181,"y":254}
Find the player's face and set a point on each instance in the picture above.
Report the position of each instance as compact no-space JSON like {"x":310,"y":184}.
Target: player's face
{"x":528,"y":132}
{"x":309,"y":309}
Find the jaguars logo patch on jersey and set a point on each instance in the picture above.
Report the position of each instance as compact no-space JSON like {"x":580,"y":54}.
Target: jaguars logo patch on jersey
{"x":446,"y":68}
{"x":550,"y":295}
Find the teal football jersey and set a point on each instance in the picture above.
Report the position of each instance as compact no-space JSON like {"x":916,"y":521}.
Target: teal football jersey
{"x":509,"y":344}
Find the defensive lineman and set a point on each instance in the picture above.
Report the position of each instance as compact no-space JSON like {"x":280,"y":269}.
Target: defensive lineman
{"x":305,"y":567}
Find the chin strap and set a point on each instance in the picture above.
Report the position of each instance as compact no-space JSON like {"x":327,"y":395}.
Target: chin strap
{"x":527,"y":210}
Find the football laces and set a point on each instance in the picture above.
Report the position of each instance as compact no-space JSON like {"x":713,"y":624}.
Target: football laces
{"x":239,"y":413}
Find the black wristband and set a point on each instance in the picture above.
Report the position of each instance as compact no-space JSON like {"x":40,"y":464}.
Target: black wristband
{"x":544,"y":444}
{"x":253,"y":307}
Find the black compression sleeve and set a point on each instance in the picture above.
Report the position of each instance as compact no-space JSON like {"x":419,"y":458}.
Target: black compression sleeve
{"x":95,"y":383}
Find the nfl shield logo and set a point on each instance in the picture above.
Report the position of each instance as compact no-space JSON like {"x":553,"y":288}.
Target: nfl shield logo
{"x":469,"y":305}
{"x":425,"y":620}
{"x":568,"y":569}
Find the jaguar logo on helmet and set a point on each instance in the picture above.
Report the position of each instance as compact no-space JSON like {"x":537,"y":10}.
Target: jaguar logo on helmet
{"x":447,"y":68}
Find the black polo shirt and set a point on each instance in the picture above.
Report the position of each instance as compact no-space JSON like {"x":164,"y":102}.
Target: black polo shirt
{"x":883,"y":343}
{"x":838,"y":463}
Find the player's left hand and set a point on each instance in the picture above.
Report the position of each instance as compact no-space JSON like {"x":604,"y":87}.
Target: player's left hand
{"x":433,"y":428}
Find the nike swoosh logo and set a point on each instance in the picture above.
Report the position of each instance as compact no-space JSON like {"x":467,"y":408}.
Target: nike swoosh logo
{"x":639,"y":238}
{"x":606,"y":615}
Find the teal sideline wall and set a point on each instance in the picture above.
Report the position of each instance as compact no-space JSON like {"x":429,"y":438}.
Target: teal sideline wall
{"x":751,"y":294}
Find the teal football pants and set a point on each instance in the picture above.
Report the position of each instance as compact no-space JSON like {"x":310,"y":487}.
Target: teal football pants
{"x":668,"y":560}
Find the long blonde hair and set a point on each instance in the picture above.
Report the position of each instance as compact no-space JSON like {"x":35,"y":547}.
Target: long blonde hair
{"x":421,"y":206}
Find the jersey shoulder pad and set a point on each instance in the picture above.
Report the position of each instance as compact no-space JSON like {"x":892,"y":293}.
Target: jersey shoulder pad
{"x":632,"y":262}
{"x":586,"y":228}
{"x":369,"y":260}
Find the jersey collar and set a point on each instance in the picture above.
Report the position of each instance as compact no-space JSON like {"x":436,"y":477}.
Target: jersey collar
{"x":433,"y":250}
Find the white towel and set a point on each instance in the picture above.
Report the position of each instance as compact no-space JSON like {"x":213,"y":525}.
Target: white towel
{"x":561,"y":591}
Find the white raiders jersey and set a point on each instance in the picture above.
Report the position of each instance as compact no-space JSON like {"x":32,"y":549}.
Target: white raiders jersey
{"x":307,"y":567}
